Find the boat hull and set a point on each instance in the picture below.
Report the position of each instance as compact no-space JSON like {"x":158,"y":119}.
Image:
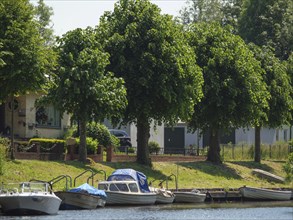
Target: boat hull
{"x":125,"y":198}
{"x":29,"y":204}
{"x":75,"y":200}
{"x":163,"y":196}
{"x":265,"y":194}
{"x":189,"y":197}
{"x":160,"y":199}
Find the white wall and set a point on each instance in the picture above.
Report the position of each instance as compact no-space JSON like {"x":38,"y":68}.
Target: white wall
{"x":25,"y":119}
{"x":268,"y":136}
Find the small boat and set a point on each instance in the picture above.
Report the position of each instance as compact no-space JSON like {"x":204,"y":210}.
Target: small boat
{"x":29,"y":198}
{"x":193,"y":196}
{"x":163,"y":196}
{"x":264,"y":194}
{"x":82,"y":197}
{"x":127,"y":187}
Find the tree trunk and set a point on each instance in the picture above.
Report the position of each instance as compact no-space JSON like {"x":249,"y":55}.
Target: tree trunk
{"x":82,"y":151}
{"x":257,"y":144}
{"x":214,"y":149}
{"x":143,"y":134}
{"x":12,"y":155}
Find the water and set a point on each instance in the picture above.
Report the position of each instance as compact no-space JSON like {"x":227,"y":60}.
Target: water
{"x":218,"y":211}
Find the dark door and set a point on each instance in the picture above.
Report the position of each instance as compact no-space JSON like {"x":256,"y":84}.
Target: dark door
{"x":174,"y":140}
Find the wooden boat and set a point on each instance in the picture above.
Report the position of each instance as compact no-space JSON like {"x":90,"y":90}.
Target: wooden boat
{"x":127,"y":187}
{"x":163,"y":196}
{"x":264,"y":194}
{"x":29,"y":198}
{"x":193,"y":196}
{"x":82,"y":197}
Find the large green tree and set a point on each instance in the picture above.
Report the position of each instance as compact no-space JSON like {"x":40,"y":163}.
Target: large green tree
{"x":26,"y":58}
{"x":268,"y":23}
{"x":278,"y":83}
{"x":150,"y":52}
{"x":81,"y":86}
{"x":43,"y":15}
{"x":234,"y":93}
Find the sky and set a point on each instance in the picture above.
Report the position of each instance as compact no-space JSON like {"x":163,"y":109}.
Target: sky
{"x":72,"y":14}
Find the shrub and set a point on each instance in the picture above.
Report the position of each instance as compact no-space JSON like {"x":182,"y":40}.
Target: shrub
{"x":130,"y":150}
{"x":154,"y":147}
{"x":288,"y":167}
{"x":91,"y":144}
{"x":4,"y":147}
{"x":49,"y":145}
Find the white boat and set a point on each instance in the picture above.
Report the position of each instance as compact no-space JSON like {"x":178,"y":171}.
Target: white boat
{"x":82,"y":197}
{"x":29,"y":198}
{"x":264,"y":194}
{"x":193,"y":196}
{"x":127,"y":187}
{"x":163,"y":196}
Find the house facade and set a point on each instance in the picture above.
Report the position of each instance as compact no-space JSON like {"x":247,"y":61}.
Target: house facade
{"x":30,"y":121}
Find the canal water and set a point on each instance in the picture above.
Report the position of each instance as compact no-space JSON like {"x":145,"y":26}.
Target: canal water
{"x":218,"y":211}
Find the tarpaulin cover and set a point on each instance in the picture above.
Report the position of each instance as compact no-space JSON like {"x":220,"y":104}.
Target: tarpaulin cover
{"x":89,"y":189}
{"x":130,"y":174}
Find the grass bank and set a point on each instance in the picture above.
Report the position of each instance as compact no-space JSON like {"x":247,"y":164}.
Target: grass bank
{"x":232,"y":174}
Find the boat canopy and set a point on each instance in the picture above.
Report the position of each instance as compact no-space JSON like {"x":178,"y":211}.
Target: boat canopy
{"x":130,"y":174}
{"x":89,"y":189}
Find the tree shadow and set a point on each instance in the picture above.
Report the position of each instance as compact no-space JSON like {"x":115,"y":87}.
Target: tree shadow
{"x":220,"y":170}
{"x":253,"y":165}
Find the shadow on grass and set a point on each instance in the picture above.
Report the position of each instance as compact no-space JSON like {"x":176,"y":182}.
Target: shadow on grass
{"x":212,"y":169}
{"x":253,"y":165}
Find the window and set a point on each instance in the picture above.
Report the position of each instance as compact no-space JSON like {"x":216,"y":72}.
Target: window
{"x":133,"y":187}
{"x":48,"y":117}
{"x":122,"y":187}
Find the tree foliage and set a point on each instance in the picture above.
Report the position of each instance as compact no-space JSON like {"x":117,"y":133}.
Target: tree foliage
{"x":150,"y":52}
{"x":81,"y":85}
{"x":225,"y":12}
{"x":26,"y":58}
{"x":202,"y":11}
{"x":43,"y":15}
{"x":278,"y":84}
{"x":234,"y":94}
{"x":268,"y":23}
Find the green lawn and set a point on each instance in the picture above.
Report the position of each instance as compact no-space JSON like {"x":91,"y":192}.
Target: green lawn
{"x":232,"y":174}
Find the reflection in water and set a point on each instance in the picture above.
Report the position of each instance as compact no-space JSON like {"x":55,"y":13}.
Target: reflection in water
{"x":219,"y":211}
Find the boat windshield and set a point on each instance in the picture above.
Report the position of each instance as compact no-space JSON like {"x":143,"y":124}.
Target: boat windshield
{"x":133,"y":187}
{"x":119,"y":187}
{"x":25,"y":187}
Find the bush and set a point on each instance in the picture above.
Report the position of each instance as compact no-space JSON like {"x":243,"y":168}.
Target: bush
{"x":130,"y":150}
{"x":288,"y":167}
{"x":4,"y":147}
{"x":154,"y":147}
{"x":115,"y":141}
{"x":49,"y":145}
{"x":91,"y":145}
{"x":99,"y":132}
